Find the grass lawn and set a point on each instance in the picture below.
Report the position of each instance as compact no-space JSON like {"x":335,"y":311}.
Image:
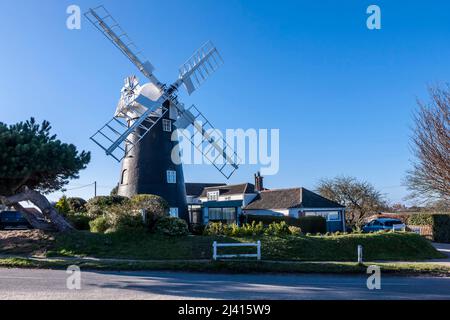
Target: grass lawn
{"x":145,"y":246}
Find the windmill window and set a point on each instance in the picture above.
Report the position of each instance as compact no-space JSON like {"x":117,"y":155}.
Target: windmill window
{"x":124,"y":178}
{"x":167,"y":125}
{"x":173,"y":212}
{"x":171,"y":176}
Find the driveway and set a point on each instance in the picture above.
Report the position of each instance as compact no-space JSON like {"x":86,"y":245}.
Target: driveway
{"x":51,"y":284}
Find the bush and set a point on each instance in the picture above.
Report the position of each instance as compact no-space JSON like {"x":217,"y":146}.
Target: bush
{"x":309,"y":224}
{"x":98,"y":205}
{"x":197,"y":229}
{"x":296,"y":231}
{"x":277,"y":229}
{"x":123,"y":217}
{"x":441,"y":227}
{"x":215,"y":229}
{"x":77,"y":205}
{"x":420,"y":219}
{"x":62,"y":205}
{"x":155,"y":207}
{"x":250,"y":229}
{"x":99,"y":225}
{"x":171,"y":226}
{"x":79,"y":221}
{"x":313,"y":224}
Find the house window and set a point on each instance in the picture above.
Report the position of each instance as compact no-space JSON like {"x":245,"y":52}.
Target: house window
{"x":222,"y":214}
{"x":171,"y":176}
{"x":333,"y":216}
{"x":213,"y":196}
{"x":173,"y":212}
{"x":328,"y":215}
{"x":167,"y":125}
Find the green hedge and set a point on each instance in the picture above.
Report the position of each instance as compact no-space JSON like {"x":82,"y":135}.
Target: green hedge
{"x":420,"y":219}
{"x":440,"y":224}
{"x":441,"y":227}
{"x":310,"y":224}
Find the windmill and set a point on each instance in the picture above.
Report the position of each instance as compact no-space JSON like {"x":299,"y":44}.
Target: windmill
{"x":139,"y":134}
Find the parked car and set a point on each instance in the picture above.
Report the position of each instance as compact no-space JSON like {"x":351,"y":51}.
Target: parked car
{"x":13,"y":220}
{"x":383,"y":224}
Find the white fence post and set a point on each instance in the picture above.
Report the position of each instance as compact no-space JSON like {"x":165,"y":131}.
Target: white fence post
{"x":360,"y":254}
{"x":215,"y":250}
{"x":258,"y":250}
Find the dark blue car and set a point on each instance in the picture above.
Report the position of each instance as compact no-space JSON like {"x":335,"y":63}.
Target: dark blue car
{"x":13,"y":220}
{"x":383,"y":224}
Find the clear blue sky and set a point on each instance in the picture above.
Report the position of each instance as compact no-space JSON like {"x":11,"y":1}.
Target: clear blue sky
{"x":341,"y":95}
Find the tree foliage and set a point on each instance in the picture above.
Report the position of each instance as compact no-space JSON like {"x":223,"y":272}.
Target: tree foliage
{"x":360,"y":198}
{"x":429,"y":178}
{"x":31,"y":156}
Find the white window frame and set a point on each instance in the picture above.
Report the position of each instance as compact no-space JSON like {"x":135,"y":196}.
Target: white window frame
{"x":173,"y":212}
{"x":171,"y":176}
{"x":167,"y":125}
{"x":213,"y":195}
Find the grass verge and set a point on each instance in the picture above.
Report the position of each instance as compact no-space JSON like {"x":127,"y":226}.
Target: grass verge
{"x":233,"y":267}
{"x":146,"y":246}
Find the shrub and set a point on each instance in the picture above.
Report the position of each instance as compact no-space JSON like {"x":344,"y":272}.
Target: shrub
{"x":311,"y":224}
{"x":76,"y":204}
{"x":154,"y":207}
{"x":252,"y":229}
{"x":98,"y":205}
{"x":62,"y":205}
{"x":296,"y":231}
{"x":277,"y":229}
{"x":123,"y":217}
{"x":420,"y":219}
{"x":441,"y":227}
{"x":171,"y":226}
{"x":197,"y":229}
{"x":215,"y":229}
{"x":99,"y":225}
{"x":79,"y":221}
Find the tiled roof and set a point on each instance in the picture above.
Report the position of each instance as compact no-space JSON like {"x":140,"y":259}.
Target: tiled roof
{"x":290,"y":198}
{"x":196,"y":189}
{"x":231,"y":189}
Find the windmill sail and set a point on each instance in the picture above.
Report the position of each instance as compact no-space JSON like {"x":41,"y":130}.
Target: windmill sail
{"x":106,"y":24}
{"x":213,"y":147}
{"x":124,"y":129}
{"x":199,"y":66}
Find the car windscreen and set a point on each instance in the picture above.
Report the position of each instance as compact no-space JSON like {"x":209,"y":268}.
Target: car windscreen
{"x":390,"y":223}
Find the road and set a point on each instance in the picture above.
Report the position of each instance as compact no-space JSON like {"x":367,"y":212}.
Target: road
{"x":51,"y":284}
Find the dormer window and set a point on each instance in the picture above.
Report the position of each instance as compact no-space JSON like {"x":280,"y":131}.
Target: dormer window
{"x":213,"y":195}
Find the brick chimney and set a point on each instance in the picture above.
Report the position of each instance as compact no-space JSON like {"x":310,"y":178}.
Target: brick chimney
{"x":259,"y":186}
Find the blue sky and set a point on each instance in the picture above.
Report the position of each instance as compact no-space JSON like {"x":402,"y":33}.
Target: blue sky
{"x":341,"y":95}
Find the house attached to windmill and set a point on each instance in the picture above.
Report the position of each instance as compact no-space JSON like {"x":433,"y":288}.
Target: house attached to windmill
{"x":230,"y":203}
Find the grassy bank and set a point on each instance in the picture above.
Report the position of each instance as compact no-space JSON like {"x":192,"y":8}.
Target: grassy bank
{"x":233,"y":267}
{"x":145,"y":246}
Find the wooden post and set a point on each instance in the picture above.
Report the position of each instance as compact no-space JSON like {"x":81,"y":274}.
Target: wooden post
{"x":95,"y":188}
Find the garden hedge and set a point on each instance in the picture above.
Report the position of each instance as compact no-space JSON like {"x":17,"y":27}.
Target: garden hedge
{"x":310,"y":224}
{"x":440,"y":224}
{"x":441,"y":227}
